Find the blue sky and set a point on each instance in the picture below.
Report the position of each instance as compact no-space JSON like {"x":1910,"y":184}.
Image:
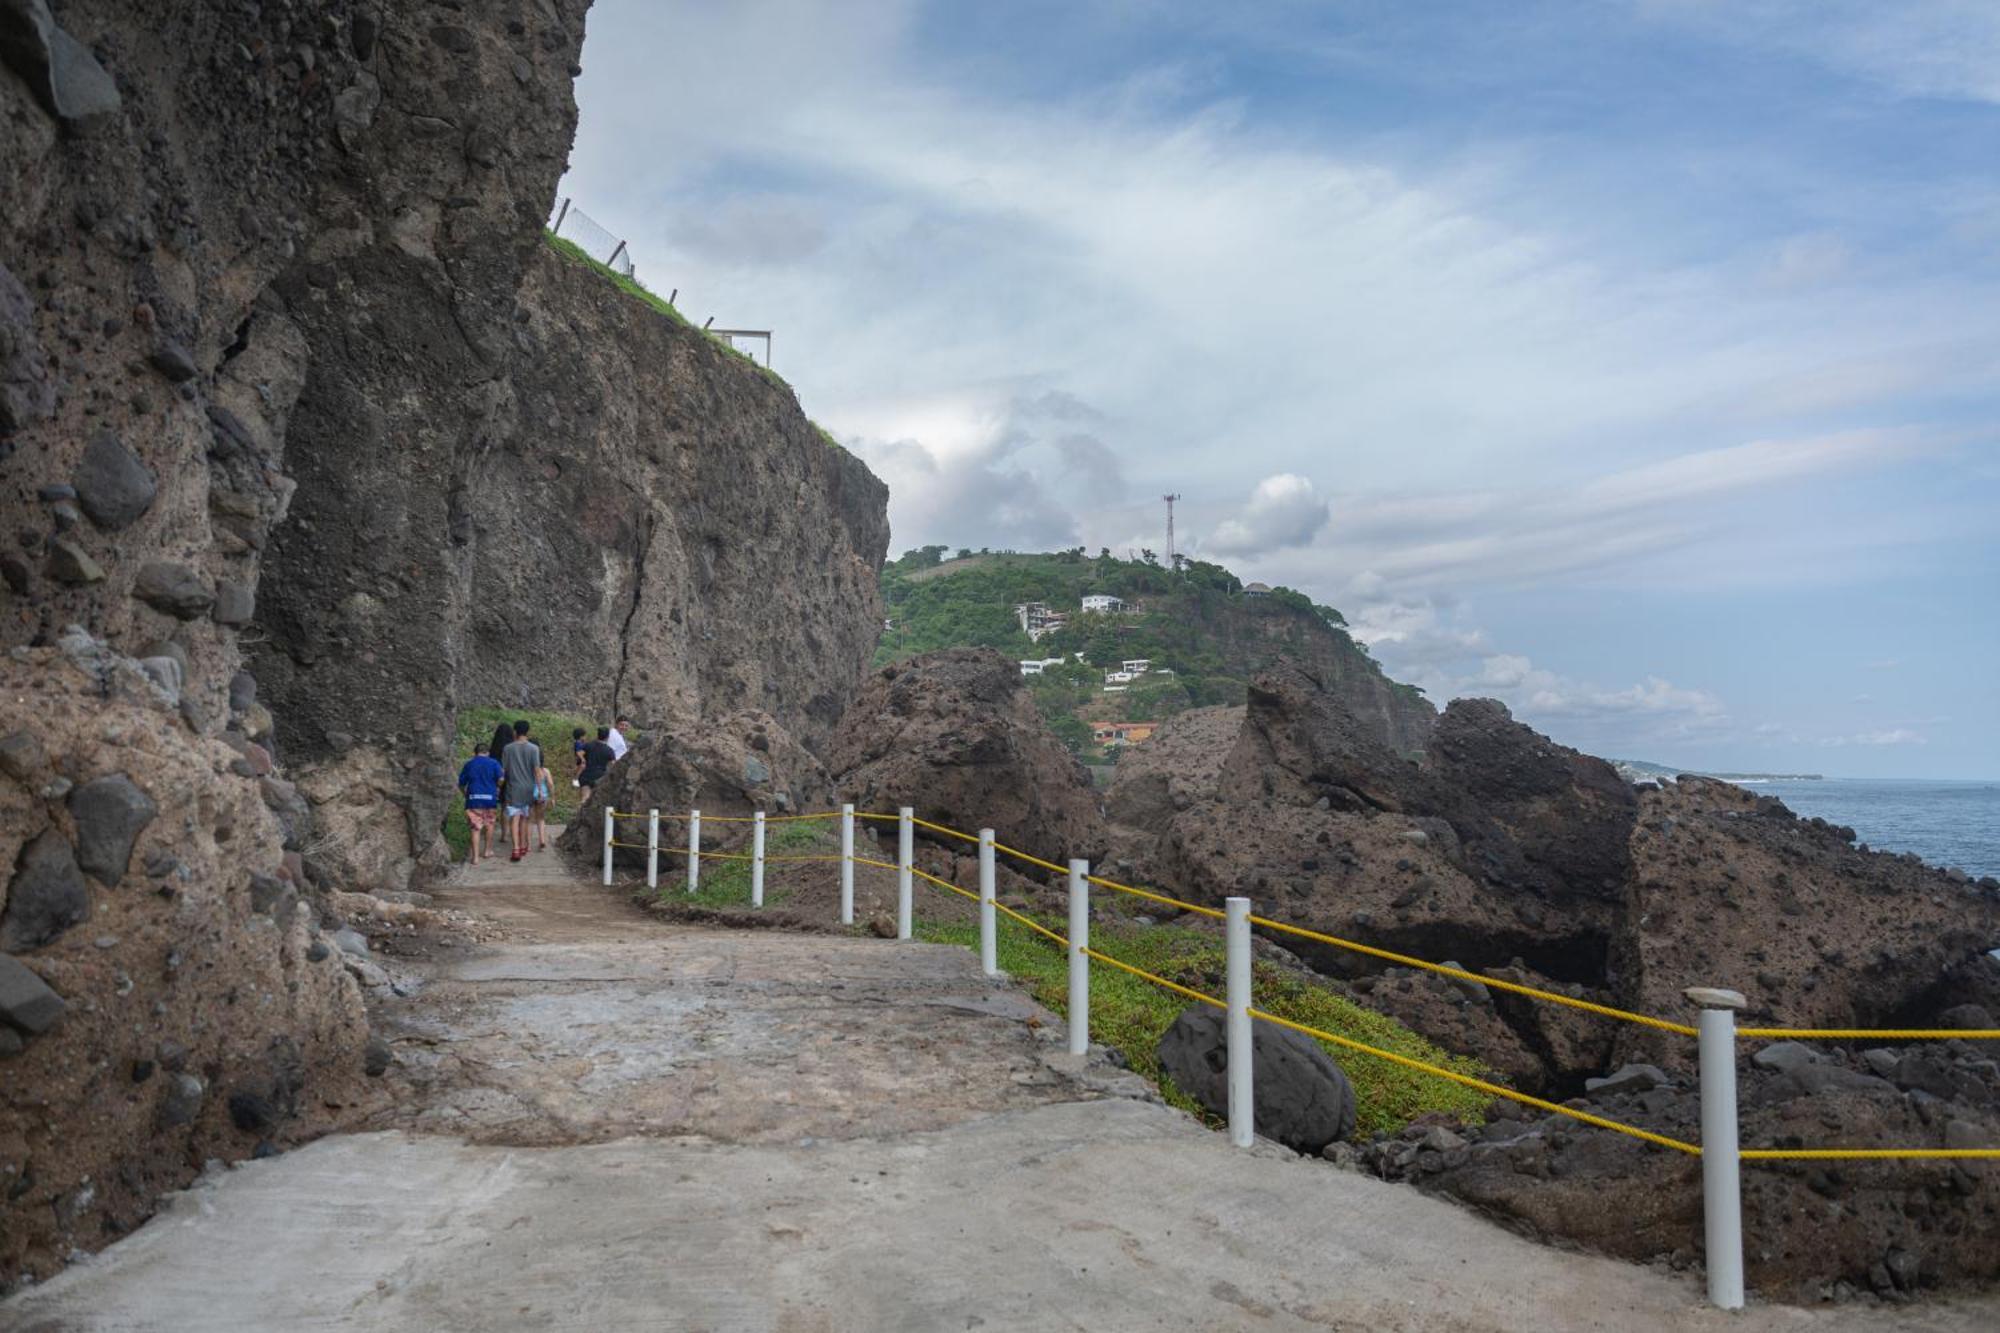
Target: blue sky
{"x":1635,"y":362}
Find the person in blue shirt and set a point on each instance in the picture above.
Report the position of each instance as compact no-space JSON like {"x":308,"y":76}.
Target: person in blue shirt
{"x":480,"y":781}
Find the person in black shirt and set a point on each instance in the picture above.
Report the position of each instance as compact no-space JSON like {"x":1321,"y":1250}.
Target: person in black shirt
{"x":597,"y":757}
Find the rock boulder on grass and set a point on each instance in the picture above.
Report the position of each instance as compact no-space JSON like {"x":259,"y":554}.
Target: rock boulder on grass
{"x":1303,"y":1100}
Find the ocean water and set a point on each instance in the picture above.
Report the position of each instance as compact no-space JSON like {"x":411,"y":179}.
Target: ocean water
{"x":1946,"y":823}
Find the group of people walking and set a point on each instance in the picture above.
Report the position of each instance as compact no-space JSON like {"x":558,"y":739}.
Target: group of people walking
{"x":509,"y":775}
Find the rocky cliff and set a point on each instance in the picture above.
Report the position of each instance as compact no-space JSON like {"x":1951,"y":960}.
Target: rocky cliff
{"x":289,"y":380}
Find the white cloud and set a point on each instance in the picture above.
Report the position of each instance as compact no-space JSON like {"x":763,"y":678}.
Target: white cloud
{"x":1885,"y":736}
{"x":1284,"y":510}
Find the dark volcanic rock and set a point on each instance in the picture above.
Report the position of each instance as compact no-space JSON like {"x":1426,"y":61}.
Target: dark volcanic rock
{"x":1302,"y":1098}
{"x":27,"y":394}
{"x":46,"y":896}
{"x":173,"y":588}
{"x":110,"y":813}
{"x":112,"y":484}
{"x":26,"y":1002}
{"x":61,"y":70}
{"x":956,"y":736}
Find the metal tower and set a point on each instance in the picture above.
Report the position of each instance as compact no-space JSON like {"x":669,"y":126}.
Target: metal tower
{"x":1170,"y":528}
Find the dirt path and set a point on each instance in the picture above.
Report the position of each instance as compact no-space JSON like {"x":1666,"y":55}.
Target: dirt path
{"x":607,"y":1122}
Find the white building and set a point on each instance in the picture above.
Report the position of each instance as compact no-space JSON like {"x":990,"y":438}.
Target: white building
{"x":1116,"y":689}
{"x":1103,"y":602}
{"x":1138,"y":666}
{"x":1036,"y":620}
{"x":1118,"y":677}
{"x":1037,"y":666}
{"x":1256,"y":590}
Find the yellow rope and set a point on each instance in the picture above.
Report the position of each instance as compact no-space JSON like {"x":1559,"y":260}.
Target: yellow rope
{"x":1155,"y":897}
{"x":1030,"y":859}
{"x":1867,"y":1154}
{"x":637,"y":846}
{"x":1874,"y":1034}
{"x":940,"y":828}
{"x":1586,"y":1006}
{"x":1482,"y":1085}
{"x":1174,"y":986}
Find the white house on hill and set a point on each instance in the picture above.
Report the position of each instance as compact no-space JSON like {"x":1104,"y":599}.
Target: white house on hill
{"x":1103,"y":602}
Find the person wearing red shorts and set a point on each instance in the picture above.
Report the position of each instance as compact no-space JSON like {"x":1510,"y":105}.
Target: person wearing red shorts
{"x":480,"y":781}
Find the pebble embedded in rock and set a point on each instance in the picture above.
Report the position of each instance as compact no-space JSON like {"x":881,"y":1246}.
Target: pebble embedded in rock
{"x":180,"y":1102}
{"x":70,"y":563}
{"x":174,"y":589}
{"x":1784,"y":1056}
{"x":172,"y":360}
{"x":26,"y":1001}
{"x":376,"y":1057}
{"x":351,"y":941}
{"x":235,"y":603}
{"x":22,"y":757}
{"x":110,"y":813}
{"x":47,"y":895}
{"x":112,"y":484}
{"x":1628,"y":1078}
{"x":61,"y":70}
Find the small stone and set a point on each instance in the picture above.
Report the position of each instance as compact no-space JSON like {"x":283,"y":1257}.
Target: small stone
{"x":112,"y":484}
{"x":171,"y":1055}
{"x":271,"y":896}
{"x":11,"y":1043}
{"x":46,"y":896}
{"x":164,"y":672}
{"x":317,"y":952}
{"x":22,"y":757}
{"x":351,"y":941}
{"x":142,"y":1070}
{"x":1881,"y":1061}
{"x":174,"y":589}
{"x":110,"y":813}
{"x":881,"y":927}
{"x":106,"y":942}
{"x":235,"y":603}
{"x":1439,"y":1139}
{"x":1785,"y":1056}
{"x":1628,"y":1078}
{"x":361,"y":34}
{"x":15,"y":571}
{"x":61,"y":70}
{"x":252,"y":1111}
{"x":1962,"y":1134}
{"x":50,"y":494}
{"x":172,"y":360}
{"x":180,"y":1100}
{"x":376,"y":1057}
{"x":26,"y":1002}
{"x":70,"y":563}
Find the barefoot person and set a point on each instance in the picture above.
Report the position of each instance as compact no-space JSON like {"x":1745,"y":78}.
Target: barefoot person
{"x":545,"y":792}
{"x":597,"y":758}
{"x":520,"y":761}
{"x":479,"y":780}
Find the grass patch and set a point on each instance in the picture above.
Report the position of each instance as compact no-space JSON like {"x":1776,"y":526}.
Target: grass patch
{"x":727,"y":883}
{"x":632,"y":287}
{"x":549,"y":730}
{"x":1133,"y":1015}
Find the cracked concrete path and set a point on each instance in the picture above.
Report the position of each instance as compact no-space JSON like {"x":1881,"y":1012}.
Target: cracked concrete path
{"x":612,"y":1123}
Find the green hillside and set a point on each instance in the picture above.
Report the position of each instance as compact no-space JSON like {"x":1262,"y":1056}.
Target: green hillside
{"x":1203,"y":634}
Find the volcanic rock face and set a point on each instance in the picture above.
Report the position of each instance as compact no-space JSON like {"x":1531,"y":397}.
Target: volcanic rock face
{"x":955,"y":735}
{"x":226,"y":229}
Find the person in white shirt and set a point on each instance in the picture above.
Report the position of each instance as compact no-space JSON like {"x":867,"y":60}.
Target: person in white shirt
{"x":616,"y":740}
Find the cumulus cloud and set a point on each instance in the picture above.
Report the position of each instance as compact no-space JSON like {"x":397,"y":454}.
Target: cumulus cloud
{"x":1284,"y":510}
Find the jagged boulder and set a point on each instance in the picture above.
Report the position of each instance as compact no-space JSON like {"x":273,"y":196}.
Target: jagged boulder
{"x":956,"y":736}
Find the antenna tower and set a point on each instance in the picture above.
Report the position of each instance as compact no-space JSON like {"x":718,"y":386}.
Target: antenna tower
{"x":1170,"y":528}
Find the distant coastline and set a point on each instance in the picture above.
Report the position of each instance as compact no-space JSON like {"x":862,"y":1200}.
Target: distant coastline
{"x":1639,"y":770}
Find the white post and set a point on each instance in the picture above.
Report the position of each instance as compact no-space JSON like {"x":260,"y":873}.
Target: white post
{"x":694,"y":850}
{"x":610,"y":831}
{"x":989,"y":943}
{"x":1079,"y":962}
{"x":847,"y":865}
{"x":1242,"y":1068}
{"x":905,"y":858}
{"x":757,"y":860}
{"x":1721,"y":1169}
{"x":652,"y":849}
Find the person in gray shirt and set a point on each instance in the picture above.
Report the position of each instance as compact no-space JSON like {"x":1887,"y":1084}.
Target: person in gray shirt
{"x":519,"y":763}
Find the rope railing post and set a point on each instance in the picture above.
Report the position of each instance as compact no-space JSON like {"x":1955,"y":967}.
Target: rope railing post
{"x":847,"y":865}
{"x":757,"y":860}
{"x":1721,"y":1171}
{"x":652,"y":849}
{"x":610,"y":830}
{"x":905,"y":857}
{"x":1242,"y":1104}
{"x":694,"y":850}
{"x":1079,"y":961}
{"x":989,"y":942}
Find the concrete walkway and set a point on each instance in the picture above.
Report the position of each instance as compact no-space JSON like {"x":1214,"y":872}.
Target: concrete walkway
{"x":608,"y":1123}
